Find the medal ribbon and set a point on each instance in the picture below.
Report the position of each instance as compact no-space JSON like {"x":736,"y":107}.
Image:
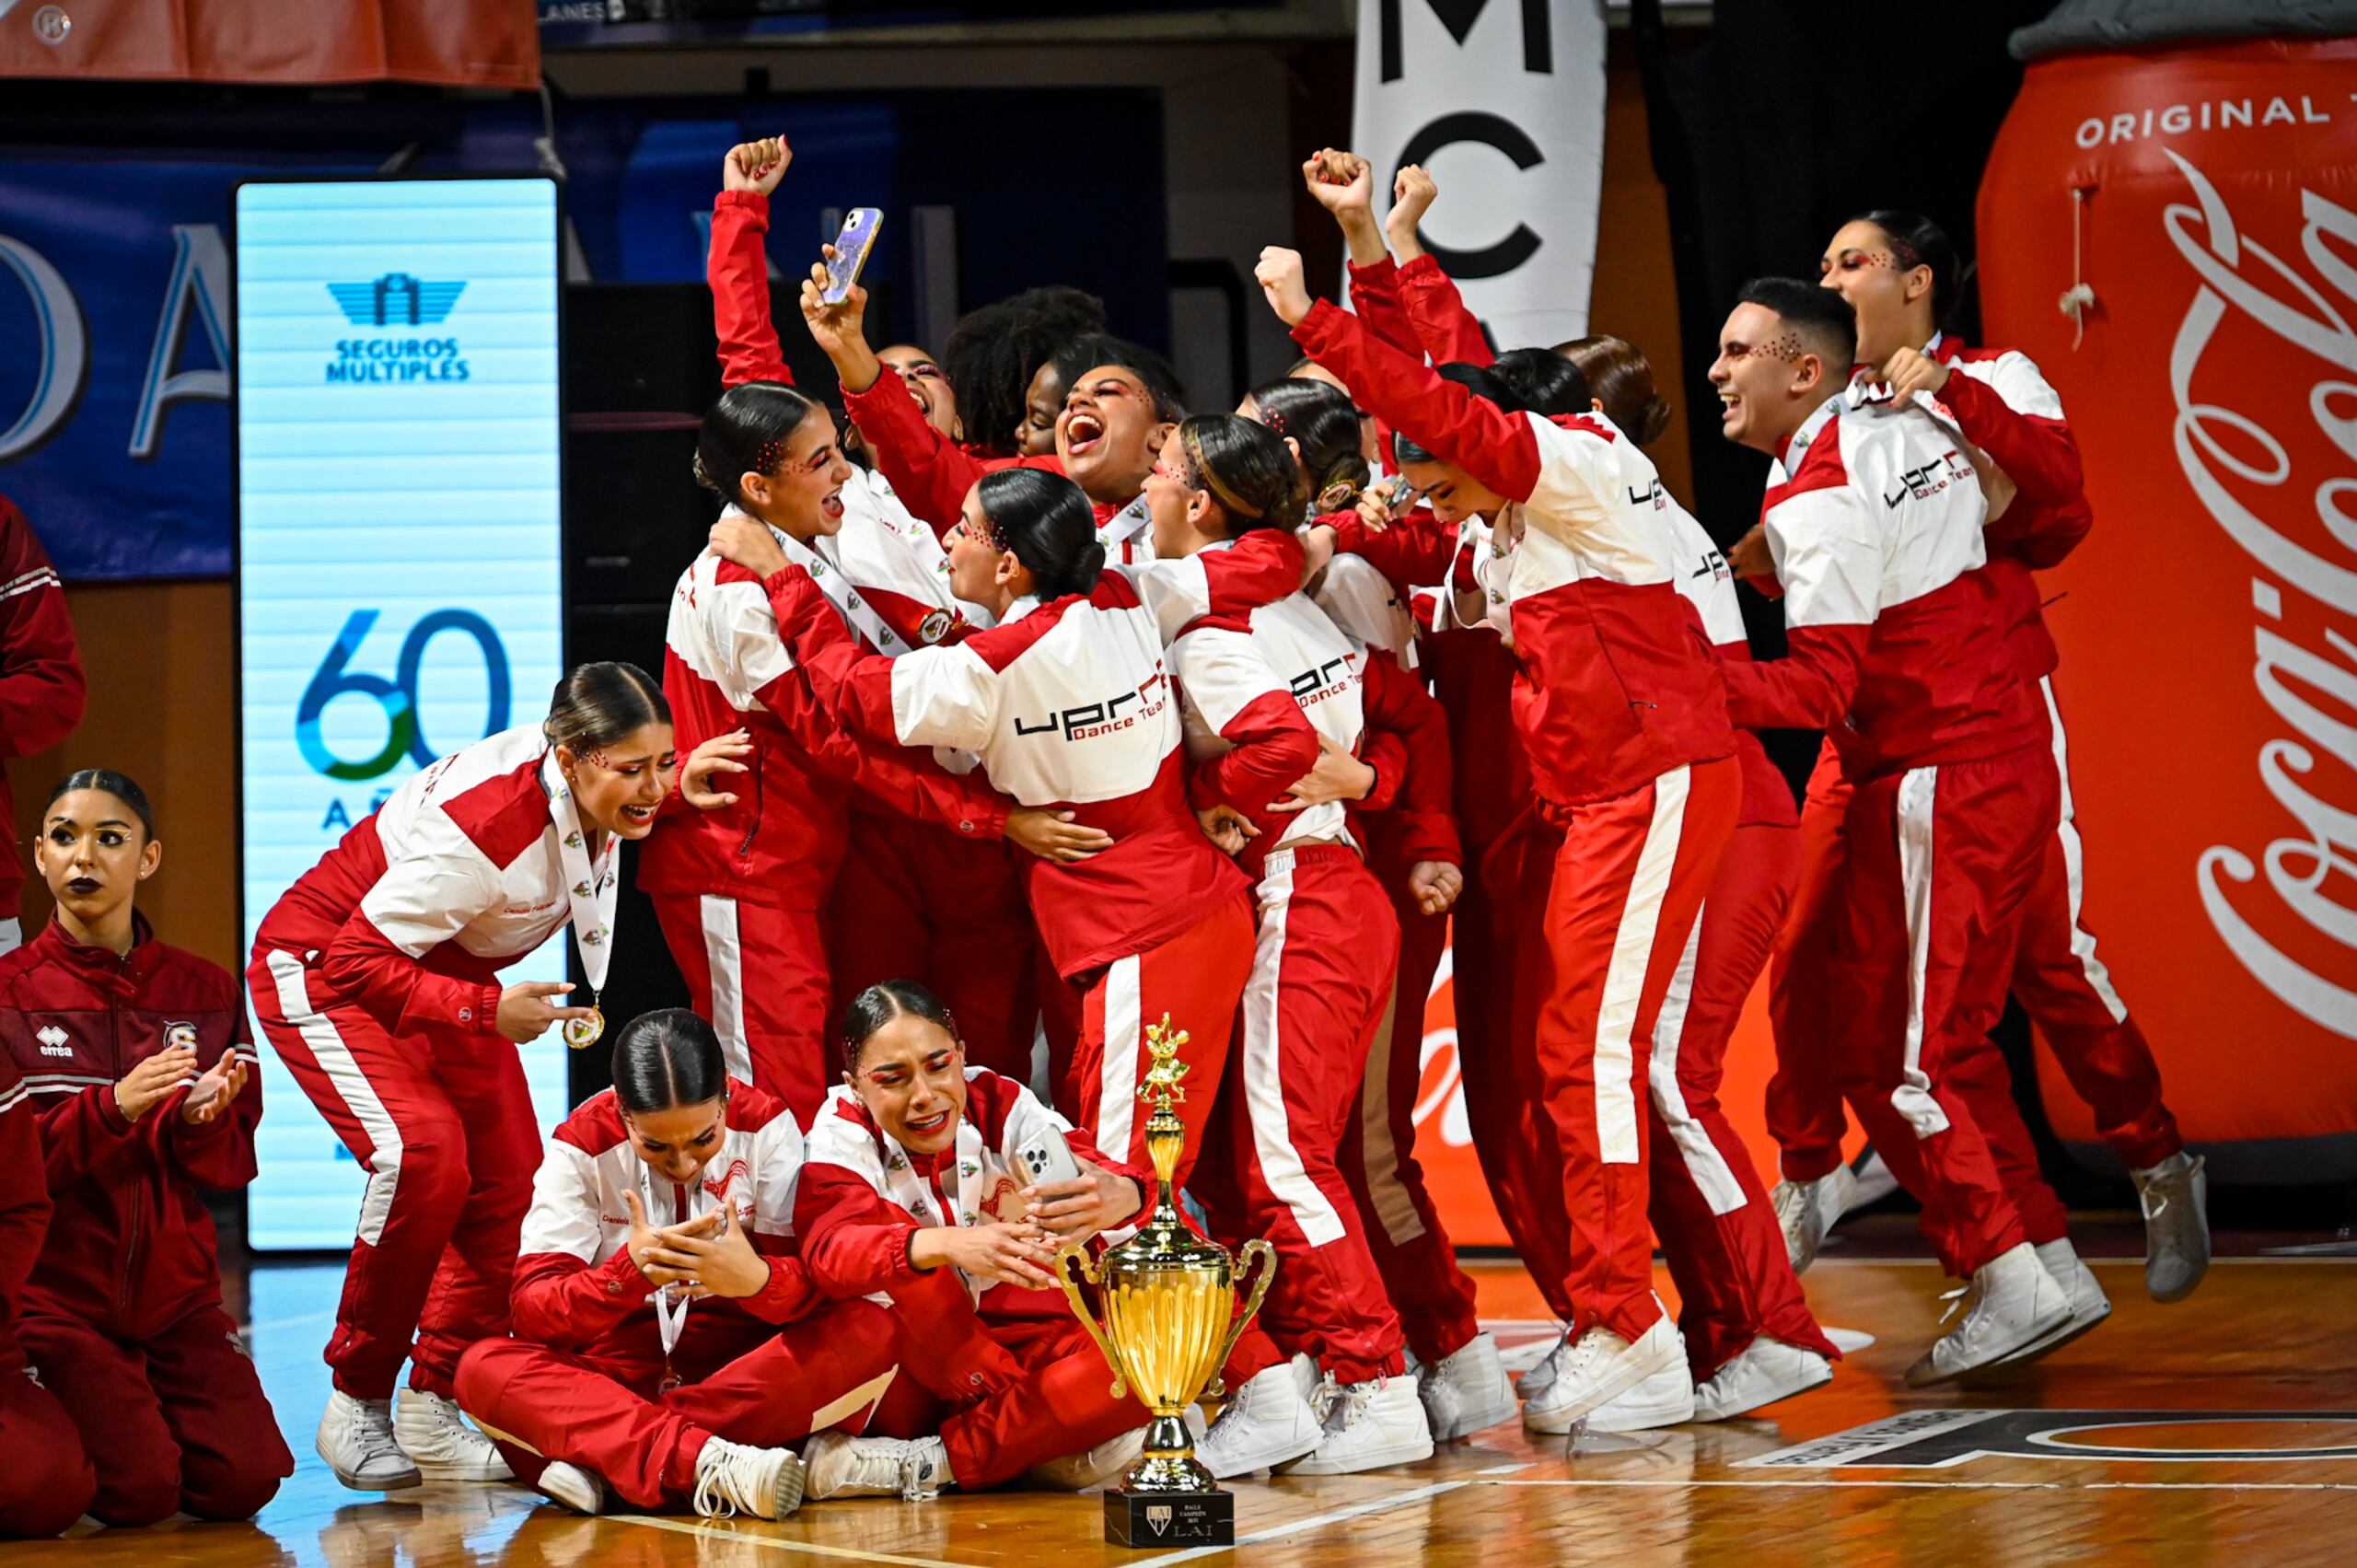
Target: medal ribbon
{"x":906,"y":1188}
{"x":591,"y":890}
{"x":1124,"y":526}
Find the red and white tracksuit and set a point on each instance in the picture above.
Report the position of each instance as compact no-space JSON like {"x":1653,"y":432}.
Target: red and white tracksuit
{"x":2002,"y":403}
{"x":1623,"y":715}
{"x":1323,"y":972}
{"x":122,"y":1313}
{"x":589,"y":1378}
{"x":376,"y":979}
{"x":803,"y":882}
{"x":1069,"y":705}
{"x":1874,"y":517}
{"x":1005,"y":1375}
{"x":42,"y":691}
{"x":46,"y":1481}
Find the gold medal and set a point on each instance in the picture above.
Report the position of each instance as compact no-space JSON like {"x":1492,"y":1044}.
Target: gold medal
{"x":582,"y":1033}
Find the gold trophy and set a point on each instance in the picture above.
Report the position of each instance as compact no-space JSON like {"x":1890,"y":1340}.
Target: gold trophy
{"x":1168,"y":1304}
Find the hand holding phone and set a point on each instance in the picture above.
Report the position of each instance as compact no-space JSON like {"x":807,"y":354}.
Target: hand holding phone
{"x":849,"y":253}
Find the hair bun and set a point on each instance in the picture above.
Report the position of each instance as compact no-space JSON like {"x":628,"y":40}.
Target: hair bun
{"x":1088,"y":562}
{"x":1652,"y":420}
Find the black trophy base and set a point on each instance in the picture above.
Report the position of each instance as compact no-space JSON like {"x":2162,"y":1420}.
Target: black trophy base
{"x":1170,"y":1518}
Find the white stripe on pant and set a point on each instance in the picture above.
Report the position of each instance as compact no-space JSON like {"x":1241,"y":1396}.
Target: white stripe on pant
{"x":1712,"y":1176}
{"x":1281,"y":1165}
{"x":327,"y":1047}
{"x":2083,"y":945}
{"x":724,"y":957}
{"x":1394,"y":1206}
{"x":1624,"y":981}
{"x":1917,"y":796}
{"x":1118,"y":1075}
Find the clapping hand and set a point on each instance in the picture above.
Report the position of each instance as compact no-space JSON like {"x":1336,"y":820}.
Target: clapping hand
{"x":153,"y":1079}
{"x":214,"y":1090}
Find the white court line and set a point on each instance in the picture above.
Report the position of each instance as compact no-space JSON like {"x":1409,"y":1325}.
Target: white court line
{"x":1295,"y":1526}
{"x":1985,"y":1485}
{"x":778,"y":1543}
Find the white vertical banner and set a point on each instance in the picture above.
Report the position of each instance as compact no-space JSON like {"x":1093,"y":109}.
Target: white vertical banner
{"x":1502,"y":101}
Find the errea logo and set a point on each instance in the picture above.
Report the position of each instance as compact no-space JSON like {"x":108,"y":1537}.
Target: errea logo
{"x":54,"y":1041}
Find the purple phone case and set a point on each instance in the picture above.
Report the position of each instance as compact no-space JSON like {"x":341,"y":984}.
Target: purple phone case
{"x":852,"y":246}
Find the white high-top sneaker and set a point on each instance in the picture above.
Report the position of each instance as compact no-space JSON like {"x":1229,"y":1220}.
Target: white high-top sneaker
{"x":581,"y":1491}
{"x":840,"y":1465}
{"x":433,"y":1433}
{"x":2174,"y":1195}
{"x":1600,"y":1365}
{"x":735,"y":1478}
{"x":2089,"y":1305}
{"x":1369,"y":1425}
{"x":1806,"y":1212}
{"x":1541,"y":1377}
{"x":1765,"y":1370}
{"x":1665,"y":1399}
{"x":356,"y":1440}
{"x":2014,"y":1302}
{"x":1267,"y":1423}
{"x":1465,"y":1390}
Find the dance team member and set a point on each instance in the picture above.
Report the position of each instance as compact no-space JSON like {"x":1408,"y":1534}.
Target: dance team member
{"x":1001,"y":357}
{"x":1622,"y":707}
{"x":143,"y":1076}
{"x":374,"y":978}
{"x":1896,"y":650}
{"x":41,"y":690}
{"x":1900,"y":273}
{"x":46,"y":1481}
{"x":1068,"y":702}
{"x":917,"y":1188}
{"x":669,"y":1341}
{"x":822,"y":823}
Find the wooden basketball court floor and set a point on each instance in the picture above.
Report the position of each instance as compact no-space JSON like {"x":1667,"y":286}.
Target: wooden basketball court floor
{"x":2222,"y":1429}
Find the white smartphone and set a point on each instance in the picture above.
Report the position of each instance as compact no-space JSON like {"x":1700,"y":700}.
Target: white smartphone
{"x":1046,"y":1158}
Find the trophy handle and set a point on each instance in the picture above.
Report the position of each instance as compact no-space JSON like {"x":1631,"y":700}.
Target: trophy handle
{"x":1073,"y":1253}
{"x":1256,"y":1248}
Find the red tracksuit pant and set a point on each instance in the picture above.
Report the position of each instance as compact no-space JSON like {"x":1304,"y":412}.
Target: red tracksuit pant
{"x":173,"y":1423}
{"x":46,"y":1481}
{"x":610,"y":1414}
{"x":442,"y":1124}
{"x":1804,"y":1107}
{"x":1433,"y":1297}
{"x":1321,"y":982}
{"x":1717,"y":1231}
{"x":1629,"y":886}
{"x":1941,"y":863}
{"x":758,"y":975}
{"x":914,"y":902}
{"x":1197,"y":978}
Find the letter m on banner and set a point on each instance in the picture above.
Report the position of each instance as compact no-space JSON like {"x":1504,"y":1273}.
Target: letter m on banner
{"x":1503,"y":102}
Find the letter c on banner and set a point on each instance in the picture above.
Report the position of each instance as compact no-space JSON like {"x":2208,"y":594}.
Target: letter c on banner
{"x":1491,"y":131}
{"x":65,"y":351}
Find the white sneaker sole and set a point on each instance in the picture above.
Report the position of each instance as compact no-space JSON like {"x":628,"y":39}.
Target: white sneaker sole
{"x":400,"y":1482}
{"x":2070,"y":1329}
{"x":1923,"y":1375}
{"x":1402,"y":1453}
{"x":1557,"y":1423}
{"x":1497,"y":1413}
{"x":1760,"y":1395}
{"x":574,"y":1487}
{"x":470,"y":1470}
{"x":1625,"y":1415}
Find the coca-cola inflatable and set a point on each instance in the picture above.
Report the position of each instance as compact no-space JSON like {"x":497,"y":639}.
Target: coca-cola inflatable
{"x":2172,"y":235}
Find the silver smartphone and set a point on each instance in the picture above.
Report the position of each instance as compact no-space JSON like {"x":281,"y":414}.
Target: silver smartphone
{"x":1046,"y":1158}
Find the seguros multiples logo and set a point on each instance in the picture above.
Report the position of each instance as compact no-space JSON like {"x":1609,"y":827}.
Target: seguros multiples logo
{"x":394,"y":300}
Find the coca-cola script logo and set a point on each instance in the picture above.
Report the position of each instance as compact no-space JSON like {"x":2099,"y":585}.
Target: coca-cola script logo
{"x":2306,"y":664}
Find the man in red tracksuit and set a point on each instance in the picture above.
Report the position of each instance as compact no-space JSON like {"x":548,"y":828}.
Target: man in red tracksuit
{"x":122,"y":1313}
{"x":1874,"y":520}
{"x":42,"y":691}
{"x":45,"y":1477}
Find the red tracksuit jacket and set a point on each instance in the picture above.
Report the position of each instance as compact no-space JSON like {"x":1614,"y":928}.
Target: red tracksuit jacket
{"x":576,"y":1289}
{"x":24,"y":1206}
{"x":42,"y":693}
{"x":1999,"y":399}
{"x":130,"y":1251}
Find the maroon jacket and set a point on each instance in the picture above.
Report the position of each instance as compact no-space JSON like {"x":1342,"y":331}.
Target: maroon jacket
{"x":24,"y":1206}
{"x":131,"y":1250}
{"x":41,"y":694}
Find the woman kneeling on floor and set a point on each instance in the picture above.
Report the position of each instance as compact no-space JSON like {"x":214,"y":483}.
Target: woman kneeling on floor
{"x":668,"y":1343}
